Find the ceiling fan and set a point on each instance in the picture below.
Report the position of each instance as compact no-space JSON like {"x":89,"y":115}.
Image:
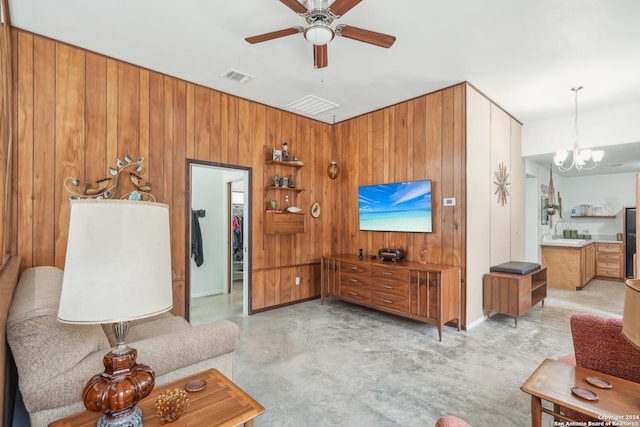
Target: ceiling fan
{"x":319,"y":16}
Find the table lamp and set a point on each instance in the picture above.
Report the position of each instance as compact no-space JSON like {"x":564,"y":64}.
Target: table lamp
{"x":631,"y":312}
{"x":117,"y":269}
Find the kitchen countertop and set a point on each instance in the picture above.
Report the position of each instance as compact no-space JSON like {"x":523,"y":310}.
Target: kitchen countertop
{"x":548,"y":240}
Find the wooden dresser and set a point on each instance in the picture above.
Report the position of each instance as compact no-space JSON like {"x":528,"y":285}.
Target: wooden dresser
{"x":426,"y":292}
{"x":609,"y":261}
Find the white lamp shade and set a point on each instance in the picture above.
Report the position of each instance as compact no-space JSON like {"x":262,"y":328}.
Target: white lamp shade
{"x":118,"y":263}
{"x":597,"y":155}
{"x":560,"y":157}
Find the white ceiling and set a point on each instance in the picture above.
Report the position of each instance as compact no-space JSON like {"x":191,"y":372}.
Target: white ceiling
{"x":524,"y":55}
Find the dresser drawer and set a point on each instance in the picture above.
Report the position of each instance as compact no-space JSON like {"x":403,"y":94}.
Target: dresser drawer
{"x":348,"y":267}
{"x":389,"y":275}
{"x":354,"y":279}
{"x":390,"y":301}
{"x":355,"y":294}
{"x":400,"y":289}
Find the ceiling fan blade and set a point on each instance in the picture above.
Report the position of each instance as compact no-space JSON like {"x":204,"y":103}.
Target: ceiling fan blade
{"x":320,"y":58}
{"x":340,"y":7}
{"x":295,"y":6}
{"x":367,"y":36}
{"x":273,"y":35}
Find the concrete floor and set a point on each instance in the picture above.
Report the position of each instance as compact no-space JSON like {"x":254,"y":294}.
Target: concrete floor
{"x":339,"y":364}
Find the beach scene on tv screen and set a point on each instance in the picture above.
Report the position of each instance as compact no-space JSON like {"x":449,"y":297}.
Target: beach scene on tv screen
{"x":402,"y":206}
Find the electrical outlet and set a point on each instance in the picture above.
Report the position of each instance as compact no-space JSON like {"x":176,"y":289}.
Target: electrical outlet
{"x":451,"y":201}
{"x":297,"y":280}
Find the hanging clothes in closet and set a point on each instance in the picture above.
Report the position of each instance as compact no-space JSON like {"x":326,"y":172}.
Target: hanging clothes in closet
{"x":236,"y":225}
{"x":196,"y":236}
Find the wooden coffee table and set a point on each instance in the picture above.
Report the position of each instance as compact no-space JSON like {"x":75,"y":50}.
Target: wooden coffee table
{"x":221,"y":403}
{"x":553,"y":380}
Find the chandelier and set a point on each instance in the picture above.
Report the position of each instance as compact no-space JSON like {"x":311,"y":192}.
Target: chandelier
{"x":584,"y":159}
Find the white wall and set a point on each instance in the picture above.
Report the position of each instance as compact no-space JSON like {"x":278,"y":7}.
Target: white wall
{"x":495,"y":233}
{"x":478,"y":200}
{"x":613,"y":191}
{"x":209,"y":193}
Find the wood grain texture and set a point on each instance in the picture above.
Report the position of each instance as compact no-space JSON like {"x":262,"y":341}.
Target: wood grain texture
{"x":95,"y":109}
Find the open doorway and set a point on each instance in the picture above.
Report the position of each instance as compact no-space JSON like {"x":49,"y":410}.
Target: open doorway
{"x":218,"y":235}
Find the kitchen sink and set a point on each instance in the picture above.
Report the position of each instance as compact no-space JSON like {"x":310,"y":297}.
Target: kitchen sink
{"x":577,"y":243}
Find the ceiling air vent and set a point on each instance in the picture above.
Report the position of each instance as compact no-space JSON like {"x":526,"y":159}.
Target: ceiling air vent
{"x":236,"y":76}
{"x":311,"y":104}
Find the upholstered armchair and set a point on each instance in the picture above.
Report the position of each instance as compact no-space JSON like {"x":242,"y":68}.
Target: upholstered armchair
{"x":600,"y":346}
{"x":451,"y":421}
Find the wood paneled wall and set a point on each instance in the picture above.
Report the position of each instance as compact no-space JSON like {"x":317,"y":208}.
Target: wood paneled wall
{"x":423,"y":138}
{"x":77,"y":112}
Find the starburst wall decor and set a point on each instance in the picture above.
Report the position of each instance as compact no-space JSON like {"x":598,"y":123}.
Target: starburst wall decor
{"x":502,"y":184}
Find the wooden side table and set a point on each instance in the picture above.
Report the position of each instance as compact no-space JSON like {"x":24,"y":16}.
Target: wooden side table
{"x":221,"y":403}
{"x":553,"y":380}
{"x":514,"y":294}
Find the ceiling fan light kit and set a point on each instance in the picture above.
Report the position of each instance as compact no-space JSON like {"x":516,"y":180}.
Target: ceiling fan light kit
{"x":319,"y":16}
{"x":319,"y":34}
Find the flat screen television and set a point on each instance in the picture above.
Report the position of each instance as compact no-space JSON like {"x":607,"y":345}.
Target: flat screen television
{"x":400,"y":206}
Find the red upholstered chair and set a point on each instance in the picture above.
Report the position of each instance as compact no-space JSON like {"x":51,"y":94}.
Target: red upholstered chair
{"x":600,"y":346}
{"x":451,"y":421}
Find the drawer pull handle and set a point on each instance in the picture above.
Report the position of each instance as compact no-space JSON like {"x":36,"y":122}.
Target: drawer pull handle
{"x":353,"y":268}
{"x":353,"y":293}
{"x":388,"y":301}
{"x":387,"y":273}
{"x":387,"y":287}
{"x":353,"y":280}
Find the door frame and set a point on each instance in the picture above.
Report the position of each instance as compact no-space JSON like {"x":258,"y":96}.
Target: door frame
{"x":187,"y":230}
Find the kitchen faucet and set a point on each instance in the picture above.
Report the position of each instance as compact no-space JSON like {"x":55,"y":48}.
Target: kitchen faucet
{"x":555,"y":235}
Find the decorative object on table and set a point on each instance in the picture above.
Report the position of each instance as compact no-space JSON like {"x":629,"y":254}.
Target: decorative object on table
{"x":276,"y":180}
{"x":109,"y":187}
{"x":172,"y":404}
{"x":117,"y":269}
{"x":584,"y":393}
{"x":598,"y":382}
{"x":585,"y":159}
{"x":274,"y":204}
{"x":285,"y":182}
{"x":276,"y":155}
{"x":333,"y":170}
{"x":194,"y":386}
{"x":292,"y":183}
{"x":502,"y":184}
{"x":286,"y":202}
{"x":315,"y":210}
{"x":285,"y":151}
{"x":294,"y":209}
{"x":423,"y":256}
